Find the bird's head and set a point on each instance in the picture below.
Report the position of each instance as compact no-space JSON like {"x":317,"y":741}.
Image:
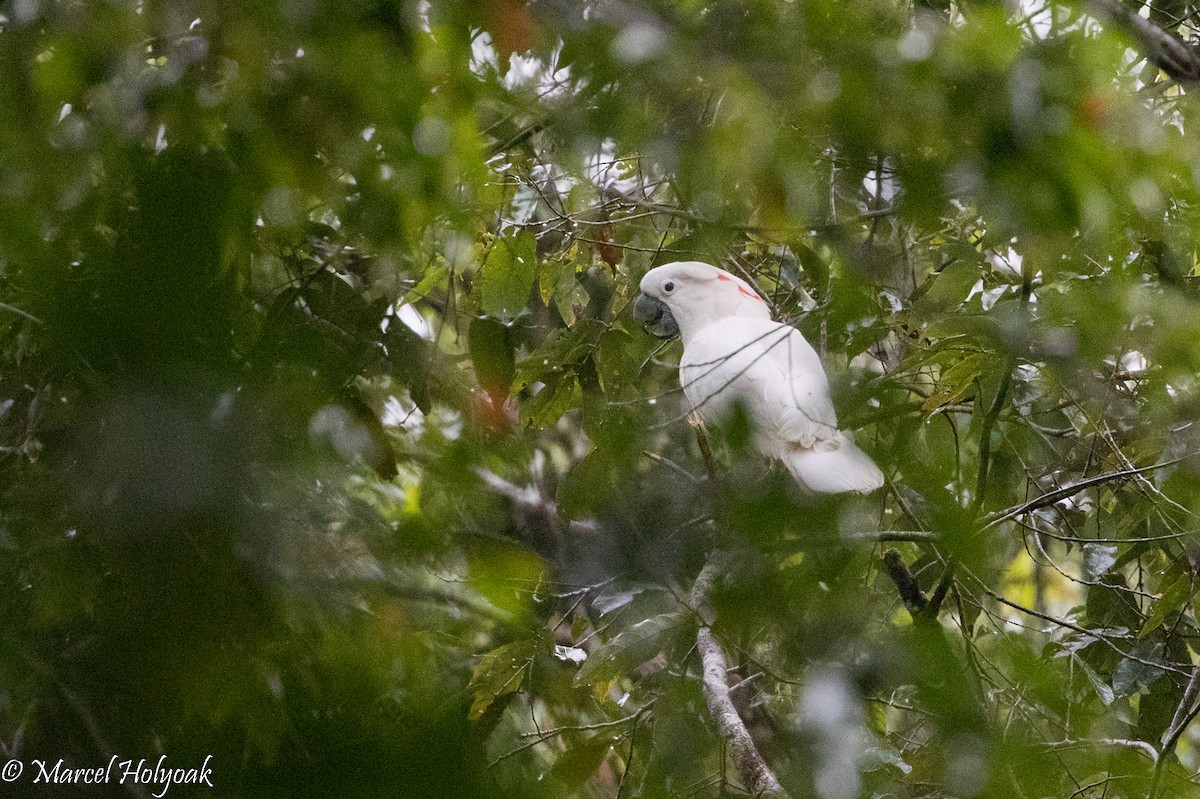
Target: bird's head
{"x":682,"y":297}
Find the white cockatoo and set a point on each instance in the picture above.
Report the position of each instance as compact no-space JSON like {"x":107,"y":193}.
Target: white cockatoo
{"x":733,"y":351}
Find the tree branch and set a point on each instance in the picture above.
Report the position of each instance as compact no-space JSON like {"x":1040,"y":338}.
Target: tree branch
{"x":1142,"y":746}
{"x":530,"y":499}
{"x":1185,"y":713}
{"x":705,"y":450}
{"x":942,"y":588}
{"x":753,"y":770}
{"x":876,"y":536}
{"x":985,"y":433}
{"x":4,"y":306}
{"x":1161,"y":47}
{"x":1059,"y":494}
{"x":906,"y":584}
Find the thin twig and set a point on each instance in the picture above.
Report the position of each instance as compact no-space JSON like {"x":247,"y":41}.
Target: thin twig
{"x":4,"y":306}
{"x":879,"y":536}
{"x":601,"y":725}
{"x":673,"y":466}
{"x":705,"y":450}
{"x":1059,"y":494}
{"x":1141,"y":746}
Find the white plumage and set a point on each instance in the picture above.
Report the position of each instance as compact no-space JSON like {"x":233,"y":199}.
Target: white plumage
{"x":734,"y":352}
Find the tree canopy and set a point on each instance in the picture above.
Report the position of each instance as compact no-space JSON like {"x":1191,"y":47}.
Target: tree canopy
{"x":330,"y":448}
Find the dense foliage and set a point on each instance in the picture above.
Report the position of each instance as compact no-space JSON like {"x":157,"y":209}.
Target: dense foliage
{"x":329,"y":446}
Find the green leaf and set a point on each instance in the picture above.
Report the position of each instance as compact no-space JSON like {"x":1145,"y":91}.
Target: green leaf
{"x":492,"y":355}
{"x":544,"y":409}
{"x":1098,"y":559}
{"x":499,"y":672}
{"x":706,"y":243}
{"x":1103,"y":690}
{"x":615,"y":361}
{"x":877,"y":718}
{"x":434,"y":278}
{"x":1110,"y":605}
{"x":956,"y":382}
{"x":950,"y":287}
{"x":570,"y":297}
{"x":630,"y":648}
{"x":507,"y":276}
{"x":1172,"y":600}
{"x":1156,"y":708}
{"x":815,"y":267}
{"x":1131,"y":675}
{"x":576,"y":765}
{"x":553,"y":272}
{"x":583,"y":489}
{"x":556,"y":364}
{"x":499,"y":574}
{"x":562,"y":350}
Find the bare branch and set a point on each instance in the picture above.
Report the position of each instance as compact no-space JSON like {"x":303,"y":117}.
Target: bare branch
{"x":751,"y":767}
{"x":1059,"y":494}
{"x":4,"y":306}
{"x":1185,"y":713}
{"x":877,"y":536}
{"x":602,"y":725}
{"x":906,"y":584}
{"x":1142,"y":746}
{"x":531,"y":500}
{"x":673,"y":466}
{"x":705,"y":450}
{"x":1161,"y":47}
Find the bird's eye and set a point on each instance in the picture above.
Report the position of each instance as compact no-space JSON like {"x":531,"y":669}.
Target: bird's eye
{"x":668,"y":287}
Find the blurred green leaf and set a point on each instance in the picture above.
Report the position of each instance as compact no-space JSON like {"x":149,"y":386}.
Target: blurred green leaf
{"x":507,"y":276}
{"x":1173,"y":597}
{"x":1103,"y":690}
{"x":500,"y":672}
{"x":492,"y":355}
{"x":576,"y":765}
{"x":628,"y":649}
{"x":1141,"y":668}
{"x":956,"y":381}
{"x":545,"y":408}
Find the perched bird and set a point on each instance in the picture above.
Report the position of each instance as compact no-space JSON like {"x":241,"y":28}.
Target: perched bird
{"x":733,"y":351}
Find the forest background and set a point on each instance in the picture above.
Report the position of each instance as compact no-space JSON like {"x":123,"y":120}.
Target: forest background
{"x":329,"y":447}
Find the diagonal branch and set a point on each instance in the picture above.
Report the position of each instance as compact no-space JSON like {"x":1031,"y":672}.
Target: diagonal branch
{"x":906,"y":585}
{"x":1070,"y":490}
{"x":753,"y":770}
{"x":1162,"y":48}
{"x":1185,"y":713}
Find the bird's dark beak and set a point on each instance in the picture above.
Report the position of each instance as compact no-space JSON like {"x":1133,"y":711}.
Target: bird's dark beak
{"x":655,"y":316}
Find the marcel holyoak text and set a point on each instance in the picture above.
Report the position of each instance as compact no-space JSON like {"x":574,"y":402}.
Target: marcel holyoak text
{"x":155,"y":776}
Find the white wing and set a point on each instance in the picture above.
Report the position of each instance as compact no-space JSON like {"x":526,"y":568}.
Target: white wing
{"x":772,"y":370}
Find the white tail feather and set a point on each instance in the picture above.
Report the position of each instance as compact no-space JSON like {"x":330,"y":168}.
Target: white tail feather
{"x":834,"y":467}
